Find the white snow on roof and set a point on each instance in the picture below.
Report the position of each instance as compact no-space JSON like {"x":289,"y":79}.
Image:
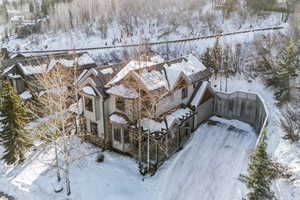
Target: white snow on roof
{"x":157,"y":59}
{"x":131,"y":66}
{"x":199,"y":94}
{"x":89,"y":90}
{"x":123,"y":91}
{"x":191,"y":66}
{"x":177,"y":115}
{"x":33,"y":69}
{"x":153,"y":79}
{"x":85,"y":59}
{"x":14,"y":76}
{"x":118,"y":119}
{"x":77,"y":108}
{"x":155,"y":126}
{"x":107,"y":71}
{"x":26,"y":95}
{"x":52,"y":91}
{"x":152,"y":126}
{"x":7,"y":69}
{"x":173,"y":75}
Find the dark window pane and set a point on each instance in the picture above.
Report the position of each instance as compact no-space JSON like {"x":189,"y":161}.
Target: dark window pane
{"x":120,"y":104}
{"x":117,"y":134}
{"x":88,"y":104}
{"x":184,"y":92}
{"x":126,"y":136}
{"x":94,"y":128}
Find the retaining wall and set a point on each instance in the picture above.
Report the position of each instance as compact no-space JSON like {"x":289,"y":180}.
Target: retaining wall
{"x":246,"y":107}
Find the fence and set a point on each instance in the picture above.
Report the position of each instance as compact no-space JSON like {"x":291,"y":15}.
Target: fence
{"x":246,"y":107}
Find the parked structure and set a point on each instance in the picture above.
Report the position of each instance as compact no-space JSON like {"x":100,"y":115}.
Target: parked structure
{"x":21,"y":70}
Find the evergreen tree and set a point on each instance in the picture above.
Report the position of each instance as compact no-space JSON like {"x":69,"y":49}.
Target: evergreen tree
{"x":261,"y":172}
{"x":285,"y":71}
{"x":13,"y":135}
{"x":207,"y":59}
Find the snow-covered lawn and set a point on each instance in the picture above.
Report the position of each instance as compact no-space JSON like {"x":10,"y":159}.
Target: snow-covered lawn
{"x":207,"y":168}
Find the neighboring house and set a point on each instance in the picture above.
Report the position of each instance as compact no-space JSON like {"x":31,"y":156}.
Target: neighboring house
{"x":147,"y":109}
{"x":21,"y":70}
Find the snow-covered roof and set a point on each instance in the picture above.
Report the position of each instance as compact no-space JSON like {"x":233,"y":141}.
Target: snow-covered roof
{"x":89,"y":90}
{"x":131,"y":66}
{"x":30,"y":69}
{"x":107,"y":71}
{"x":7,"y":69}
{"x":199,"y":94}
{"x":155,"y":126}
{"x":118,"y":119}
{"x":52,"y":91}
{"x":178,"y":114}
{"x":188,"y":67}
{"x":123,"y":91}
{"x":77,"y":108}
{"x":26,"y":95}
{"x":152,"y":126}
{"x":153,"y":79}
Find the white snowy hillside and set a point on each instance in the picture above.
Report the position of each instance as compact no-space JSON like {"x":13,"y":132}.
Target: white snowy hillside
{"x":133,"y":22}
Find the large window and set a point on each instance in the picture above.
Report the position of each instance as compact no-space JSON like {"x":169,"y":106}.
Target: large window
{"x":120,"y":104}
{"x":94,"y":128}
{"x":117,"y":134}
{"x":88,"y":104}
{"x":184,"y":92}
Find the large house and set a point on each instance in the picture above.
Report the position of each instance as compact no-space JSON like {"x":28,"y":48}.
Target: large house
{"x":21,"y":70}
{"x":146,"y":108}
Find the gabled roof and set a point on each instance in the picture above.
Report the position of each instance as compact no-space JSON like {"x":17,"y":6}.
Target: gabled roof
{"x":45,"y":63}
{"x":200,"y":93}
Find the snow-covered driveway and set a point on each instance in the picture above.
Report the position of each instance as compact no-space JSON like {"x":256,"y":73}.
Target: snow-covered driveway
{"x":209,"y":166}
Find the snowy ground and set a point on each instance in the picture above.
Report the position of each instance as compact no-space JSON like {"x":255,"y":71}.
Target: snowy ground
{"x":215,"y":155}
{"x":281,"y":150}
{"x":209,"y":167}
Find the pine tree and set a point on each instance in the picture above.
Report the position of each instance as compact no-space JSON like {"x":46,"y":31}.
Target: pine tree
{"x":13,"y":135}
{"x":283,"y":73}
{"x":261,"y":172}
{"x":207,"y":59}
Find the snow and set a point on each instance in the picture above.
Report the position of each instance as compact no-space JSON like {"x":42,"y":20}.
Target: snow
{"x":89,"y":90}
{"x":199,"y":94}
{"x":77,"y":108}
{"x":209,"y":166}
{"x":214,"y":156}
{"x":8,"y":69}
{"x":14,"y":76}
{"x":152,"y":80}
{"x":118,"y":119}
{"x":175,"y":71}
{"x":152,"y":126}
{"x":33,"y":69}
{"x":26,"y":95}
{"x":155,"y":126}
{"x":176,"y":115}
{"x":281,"y":150}
{"x":107,"y":71}
{"x":123,"y":91}
{"x":131,"y":66}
